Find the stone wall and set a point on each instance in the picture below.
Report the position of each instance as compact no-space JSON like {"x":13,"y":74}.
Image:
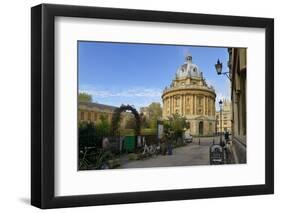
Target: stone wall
{"x":240,"y":150}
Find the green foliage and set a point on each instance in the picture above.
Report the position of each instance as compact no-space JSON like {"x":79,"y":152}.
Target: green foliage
{"x":144,"y":121}
{"x":131,"y":132}
{"x":85,"y":97}
{"x":127,"y":132}
{"x":114,"y":163}
{"x":155,"y":113}
{"x":131,"y":123}
{"x":132,"y":156}
{"x":88,"y":136}
{"x":103,"y":127}
{"x":175,"y":126}
{"x":117,"y":116}
{"x":148,"y":131}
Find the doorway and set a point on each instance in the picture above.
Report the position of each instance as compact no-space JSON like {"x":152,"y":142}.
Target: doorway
{"x":201,"y":128}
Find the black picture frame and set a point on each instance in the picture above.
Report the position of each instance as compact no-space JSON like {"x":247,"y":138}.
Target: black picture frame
{"x":43,"y":117}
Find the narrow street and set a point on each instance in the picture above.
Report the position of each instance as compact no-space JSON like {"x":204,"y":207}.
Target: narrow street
{"x":189,"y":155}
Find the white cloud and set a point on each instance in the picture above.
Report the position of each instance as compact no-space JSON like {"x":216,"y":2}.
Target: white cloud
{"x":210,"y":82}
{"x":222,"y":97}
{"x":138,"y":97}
{"x":131,"y":92}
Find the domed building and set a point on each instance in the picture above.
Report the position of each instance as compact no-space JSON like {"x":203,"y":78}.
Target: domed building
{"x":191,"y":97}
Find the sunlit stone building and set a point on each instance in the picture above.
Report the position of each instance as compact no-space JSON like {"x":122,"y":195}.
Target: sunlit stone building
{"x":95,"y":113}
{"x":224,"y":118}
{"x":238,"y":72}
{"x":191,"y":97}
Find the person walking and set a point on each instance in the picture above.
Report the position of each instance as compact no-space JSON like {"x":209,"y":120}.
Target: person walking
{"x":169,"y":142}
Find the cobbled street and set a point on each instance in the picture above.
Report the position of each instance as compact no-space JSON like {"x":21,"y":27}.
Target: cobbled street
{"x":189,"y":155}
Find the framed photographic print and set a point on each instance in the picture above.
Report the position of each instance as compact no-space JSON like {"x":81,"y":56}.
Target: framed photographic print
{"x":139,"y":106}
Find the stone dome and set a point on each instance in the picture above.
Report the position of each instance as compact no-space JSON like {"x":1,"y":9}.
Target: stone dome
{"x":190,"y":97}
{"x":188,"y":69}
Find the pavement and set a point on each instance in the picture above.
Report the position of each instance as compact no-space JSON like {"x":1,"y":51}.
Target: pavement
{"x":190,"y":155}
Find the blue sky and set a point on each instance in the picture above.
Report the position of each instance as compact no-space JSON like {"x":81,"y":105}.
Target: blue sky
{"x":136,"y":74}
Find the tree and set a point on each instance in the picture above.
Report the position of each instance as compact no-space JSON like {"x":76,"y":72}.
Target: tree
{"x":87,"y":135}
{"x":155,"y":113}
{"x":144,"y":121}
{"x":131,"y":123}
{"x":177,"y":124}
{"x":103,"y":127}
{"x":84,"y":97}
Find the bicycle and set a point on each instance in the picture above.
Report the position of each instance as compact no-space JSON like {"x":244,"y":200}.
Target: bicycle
{"x":93,"y":158}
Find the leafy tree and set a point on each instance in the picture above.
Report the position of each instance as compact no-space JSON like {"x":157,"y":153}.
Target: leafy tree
{"x":85,"y":97}
{"x":144,"y":121}
{"x":103,"y":127}
{"x":90,"y":134}
{"x":155,"y":113}
{"x":177,"y":124}
{"x":131,"y":123}
{"x":87,"y":135}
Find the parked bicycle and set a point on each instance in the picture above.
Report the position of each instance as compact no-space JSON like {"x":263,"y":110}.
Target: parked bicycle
{"x":93,"y":158}
{"x":150,"y":149}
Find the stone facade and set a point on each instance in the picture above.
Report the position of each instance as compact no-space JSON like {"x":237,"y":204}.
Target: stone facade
{"x":225,"y":118}
{"x":191,"y":97}
{"x":93,"y":112}
{"x":238,"y":70}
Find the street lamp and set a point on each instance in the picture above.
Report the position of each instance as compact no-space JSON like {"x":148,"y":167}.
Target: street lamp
{"x":218,"y":67}
{"x":220,"y":103}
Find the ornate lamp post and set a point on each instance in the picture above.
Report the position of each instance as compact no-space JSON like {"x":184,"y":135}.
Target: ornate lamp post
{"x":220,"y":103}
{"x":218,"y":67}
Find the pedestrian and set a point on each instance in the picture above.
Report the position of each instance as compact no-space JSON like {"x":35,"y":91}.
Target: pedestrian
{"x":105,"y":143}
{"x":169,"y":142}
{"x":170,"y":150}
{"x":163,"y":146}
{"x":226,"y":136}
{"x":139,"y":144}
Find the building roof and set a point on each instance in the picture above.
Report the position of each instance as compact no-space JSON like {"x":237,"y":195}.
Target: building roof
{"x":189,"y":77}
{"x":97,"y":105}
{"x":188,"y":69}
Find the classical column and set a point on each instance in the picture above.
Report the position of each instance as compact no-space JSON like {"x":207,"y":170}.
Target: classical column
{"x":210,"y":107}
{"x":164,"y":112}
{"x":182,"y":105}
{"x":214,"y":107}
{"x":195,"y":104}
{"x":193,"y":112}
{"x":204,"y":105}
{"x":170,"y":105}
{"x":207,"y":110}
